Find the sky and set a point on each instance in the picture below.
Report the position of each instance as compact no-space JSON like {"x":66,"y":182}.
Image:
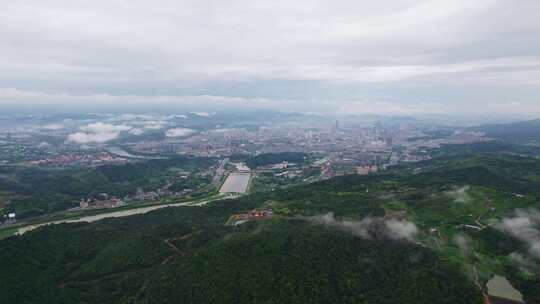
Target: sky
{"x":405,"y":57}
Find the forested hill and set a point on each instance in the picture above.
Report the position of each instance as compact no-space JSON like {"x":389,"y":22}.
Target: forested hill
{"x":280,"y":261}
{"x":296,"y":262}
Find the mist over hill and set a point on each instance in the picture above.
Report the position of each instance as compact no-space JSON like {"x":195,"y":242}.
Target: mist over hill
{"x":518,"y":132}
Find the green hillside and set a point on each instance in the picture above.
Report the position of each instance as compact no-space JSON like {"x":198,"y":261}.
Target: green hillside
{"x":35,"y":191}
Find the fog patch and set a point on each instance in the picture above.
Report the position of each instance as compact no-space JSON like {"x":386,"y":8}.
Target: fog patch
{"x":52,"y":127}
{"x":179,"y":132}
{"x":97,"y":133}
{"x":174,"y":116}
{"x":372,"y":227}
{"x":460,"y":195}
{"x":524,"y":263}
{"x":136,"y":131}
{"x":146,"y":122}
{"x":524,"y":225}
{"x":203,"y":114}
{"x":153,"y":125}
{"x":463,"y":243}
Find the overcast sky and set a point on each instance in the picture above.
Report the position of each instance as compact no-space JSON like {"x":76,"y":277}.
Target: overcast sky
{"x":388,"y":57}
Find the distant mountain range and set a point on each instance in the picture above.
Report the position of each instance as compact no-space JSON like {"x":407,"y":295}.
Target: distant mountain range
{"x":517,"y":132}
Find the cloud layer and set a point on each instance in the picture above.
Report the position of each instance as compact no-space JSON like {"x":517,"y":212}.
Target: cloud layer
{"x":400,"y":55}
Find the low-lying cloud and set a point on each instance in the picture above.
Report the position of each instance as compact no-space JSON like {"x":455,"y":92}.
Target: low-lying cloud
{"x":524,"y":225}
{"x":97,"y":133}
{"x":154,"y":125}
{"x":179,"y":132}
{"x":463,"y":243}
{"x":525,"y":263}
{"x":203,"y":114}
{"x":136,"y":131}
{"x":460,"y":195}
{"x":372,"y":227}
{"x":52,"y":127}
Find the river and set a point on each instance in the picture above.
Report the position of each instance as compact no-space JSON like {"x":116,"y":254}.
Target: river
{"x":120,"y":213}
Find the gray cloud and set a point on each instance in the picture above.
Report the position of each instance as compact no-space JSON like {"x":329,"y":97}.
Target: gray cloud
{"x":136,"y":131}
{"x":97,"y":133}
{"x":401,"y":55}
{"x":463,"y":242}
{"x":524,"y":225}
{"x":524,"y":262}
{"x":179,"y":132}
{"x":52,"y":127}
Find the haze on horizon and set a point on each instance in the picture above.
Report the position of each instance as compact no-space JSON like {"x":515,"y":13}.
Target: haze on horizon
{"x":400,"y":57}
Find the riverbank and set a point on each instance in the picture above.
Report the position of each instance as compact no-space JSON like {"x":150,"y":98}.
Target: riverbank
{"x":108,"y":213}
